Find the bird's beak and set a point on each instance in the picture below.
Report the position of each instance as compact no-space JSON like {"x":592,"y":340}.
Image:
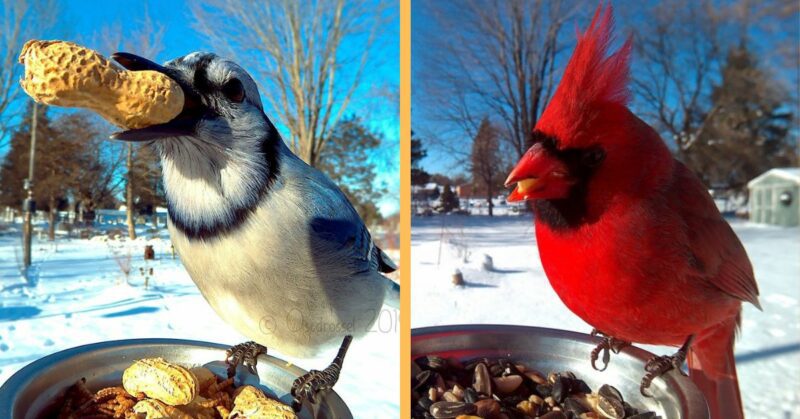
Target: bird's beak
{"x":538,"y":175}
{"x":183,"y":124}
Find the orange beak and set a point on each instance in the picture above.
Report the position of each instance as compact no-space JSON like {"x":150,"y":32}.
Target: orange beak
{"x":538,"y":175}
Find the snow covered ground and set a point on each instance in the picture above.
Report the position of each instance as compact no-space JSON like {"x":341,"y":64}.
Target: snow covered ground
{"x":82,"y":297}
{"x":517,"y":292}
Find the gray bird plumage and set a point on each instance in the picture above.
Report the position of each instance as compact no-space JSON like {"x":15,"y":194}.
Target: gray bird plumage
{"x":273,"y":245}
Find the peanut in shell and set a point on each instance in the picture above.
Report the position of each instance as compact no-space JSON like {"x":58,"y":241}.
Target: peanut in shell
{"x":154,"y":409}
{"x":161,"y":380}
{"x":65,"y":74}
{"x":249,"y":402}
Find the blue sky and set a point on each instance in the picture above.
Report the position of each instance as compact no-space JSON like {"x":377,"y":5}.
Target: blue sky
{"x":762,"y":37}
{"x":425,"y":23}
{"x":82,"y":21}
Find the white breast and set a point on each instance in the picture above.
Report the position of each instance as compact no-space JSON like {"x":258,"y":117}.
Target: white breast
{"x":203,"y":184}
{"x":262,"y":279}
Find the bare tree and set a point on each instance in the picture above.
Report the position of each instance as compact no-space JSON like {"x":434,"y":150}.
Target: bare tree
{"x":67,"y":165}
{"x":498,"y":59}
{"x":101,"y":180}
{"x":678,"y":52}
{"x":681,"y":46}
{"x":145,"y":40}
{"x":311,"y":56}
{"x":22,"y":20}
{"x":75,"y":165}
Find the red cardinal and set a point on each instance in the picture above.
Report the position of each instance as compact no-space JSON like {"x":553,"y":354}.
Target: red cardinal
{"x":628,"y":236}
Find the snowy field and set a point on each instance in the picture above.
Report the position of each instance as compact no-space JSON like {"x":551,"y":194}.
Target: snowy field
{"x":517,"y":292}
{"x":82,"y":297}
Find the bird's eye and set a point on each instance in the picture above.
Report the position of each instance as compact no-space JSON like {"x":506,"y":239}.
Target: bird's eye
{"x":594,"y":157}
{"x":549,"y":143}
{"x":233,"y":90}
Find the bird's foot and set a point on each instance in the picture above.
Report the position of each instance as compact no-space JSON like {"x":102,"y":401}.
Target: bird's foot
{"x":608,"y":345}
{"x":307,"y":387}
{"x":244,"y":354}
{"x":660,"y":365}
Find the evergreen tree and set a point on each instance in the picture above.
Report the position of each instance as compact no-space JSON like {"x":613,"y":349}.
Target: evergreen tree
{"x":418,"y":152}
{"x":350,"y":161}
{"x":487,"y":166}
{"x":449,"y":199}
{"x":748,"y":129}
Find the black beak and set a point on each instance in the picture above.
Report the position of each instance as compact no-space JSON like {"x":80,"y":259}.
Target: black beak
{"x":136,"y":63}
{"x":182,"y":125}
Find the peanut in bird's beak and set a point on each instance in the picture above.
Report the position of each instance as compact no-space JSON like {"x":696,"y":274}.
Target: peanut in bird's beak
{"x":523,"y":189}
{"x":538,"y":175}
{"x":65,"y":74}
{"x":183,"y":124}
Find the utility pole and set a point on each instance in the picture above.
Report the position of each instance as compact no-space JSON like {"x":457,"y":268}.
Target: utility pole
{"x":29,"y":206}
{"x":129,"y":195}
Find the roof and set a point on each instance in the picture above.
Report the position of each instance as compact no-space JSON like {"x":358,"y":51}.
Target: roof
{"x":788,"y":173}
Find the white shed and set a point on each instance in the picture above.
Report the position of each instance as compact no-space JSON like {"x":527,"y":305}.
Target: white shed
{"x":774,"y":197}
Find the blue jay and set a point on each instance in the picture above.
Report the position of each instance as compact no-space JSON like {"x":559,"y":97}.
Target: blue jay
{"x":273,"y":245}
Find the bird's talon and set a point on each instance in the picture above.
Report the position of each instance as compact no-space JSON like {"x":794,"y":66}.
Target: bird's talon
{"x":244,"y":354}
{"x":594,"y":356}
{"x":607,"y":345}
{"x":647,"y":380}
{"x":598,"y":369}
{"x":660,"y":365}
{"x":308,"y":386}
{"x":643,"y":388}
{"x":296,"y":406}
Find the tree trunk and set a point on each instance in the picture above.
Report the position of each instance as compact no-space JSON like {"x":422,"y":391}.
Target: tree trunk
{"x":51,"y":229}
{"x":311,"y":155}
{"x":129,"y":195}
{"x":489,"y":199}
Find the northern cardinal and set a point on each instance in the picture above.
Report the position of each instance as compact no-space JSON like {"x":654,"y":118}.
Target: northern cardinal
{"x":629,"y":238}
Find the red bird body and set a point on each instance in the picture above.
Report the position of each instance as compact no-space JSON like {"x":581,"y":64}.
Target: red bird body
{"x":629,"y":238}
{"x":660,"y":257}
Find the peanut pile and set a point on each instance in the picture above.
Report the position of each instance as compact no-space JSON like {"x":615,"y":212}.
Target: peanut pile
{"x":155,"y":389}
{"x":65,"y":74}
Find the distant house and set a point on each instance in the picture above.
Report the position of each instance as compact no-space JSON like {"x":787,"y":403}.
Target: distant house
{"x":464,"y":191}
{"x":774,"y":197}
{"x":423,"y":197}
{"x":426,"y":192}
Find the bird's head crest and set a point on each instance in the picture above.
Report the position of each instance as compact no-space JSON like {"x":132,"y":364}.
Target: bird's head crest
{"x":592,"y":79}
